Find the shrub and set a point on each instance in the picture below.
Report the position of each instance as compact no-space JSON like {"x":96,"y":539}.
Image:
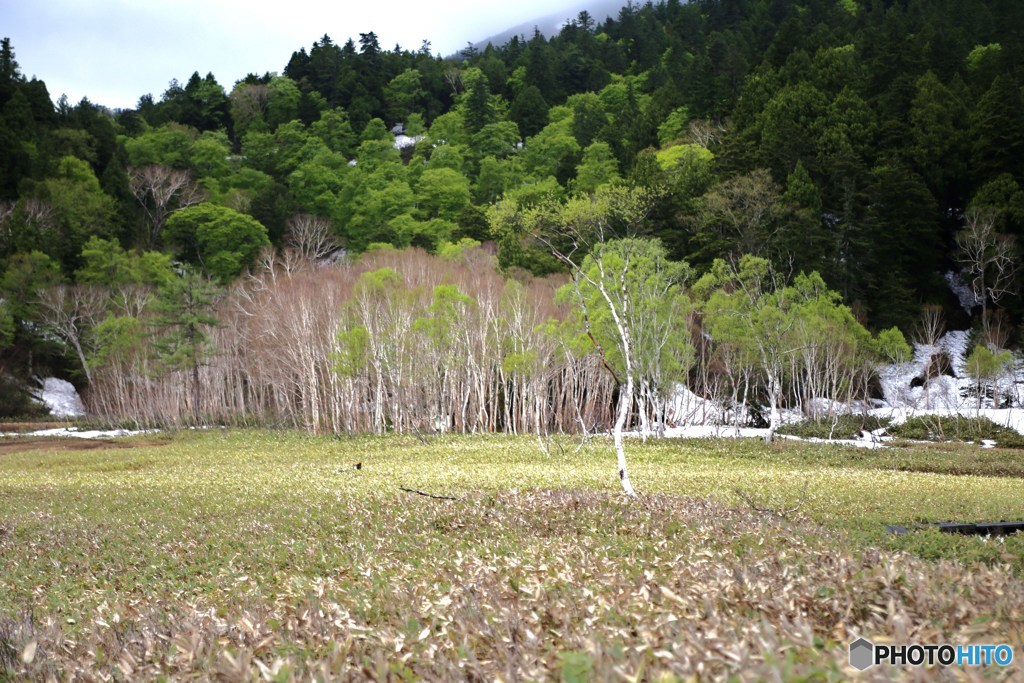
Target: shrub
{"x":15,"y":400}
{"x":838,"y":427}
{"x":957,"y":428}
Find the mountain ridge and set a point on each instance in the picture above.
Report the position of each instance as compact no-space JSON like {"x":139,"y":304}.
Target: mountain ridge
{"x":550,"y":24}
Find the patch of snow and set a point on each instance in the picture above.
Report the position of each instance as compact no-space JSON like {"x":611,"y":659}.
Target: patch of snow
{"x":968,"y":299}
{"x":687,"y":408}
{"x":405,"y":141}
{"x":691,"y":416}
{"x":868,"y":439}
{"x":715,"y":432}
{"x":1006,"y":417}
{"x":939,"y":393}
{"x":61,"y":398}
{"x":73,"y":432}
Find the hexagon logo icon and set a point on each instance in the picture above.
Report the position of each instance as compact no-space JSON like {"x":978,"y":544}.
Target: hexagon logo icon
{"x":862,"y":654}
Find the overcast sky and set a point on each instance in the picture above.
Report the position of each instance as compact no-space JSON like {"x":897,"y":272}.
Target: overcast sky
{"x":114,"y":51}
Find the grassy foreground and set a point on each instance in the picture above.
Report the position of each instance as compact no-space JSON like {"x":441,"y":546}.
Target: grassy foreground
{"x":262,"y":555}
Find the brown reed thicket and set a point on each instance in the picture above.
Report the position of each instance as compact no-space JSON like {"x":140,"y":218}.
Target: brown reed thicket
{"x":396,"y":341}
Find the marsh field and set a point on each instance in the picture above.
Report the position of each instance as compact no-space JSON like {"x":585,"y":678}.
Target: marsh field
{"x":260,"y":555}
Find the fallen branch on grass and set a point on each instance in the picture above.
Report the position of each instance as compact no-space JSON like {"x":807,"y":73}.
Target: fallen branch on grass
{"x":545,"y":440}
{"x":770,"y":511}
{"x":423,"y":438}
{"x":587,"y":437}
{"x":428,"y":495}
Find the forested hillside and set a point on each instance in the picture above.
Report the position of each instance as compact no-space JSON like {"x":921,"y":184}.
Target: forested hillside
{"x":879,"y":144}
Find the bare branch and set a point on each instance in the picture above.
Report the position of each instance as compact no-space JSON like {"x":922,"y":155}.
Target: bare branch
{"x":453,"y":77}
{"x":6,"y":219}
{"x":988,"y":258}
{"x":428,"y":495}
{"x":704,"y":132}
{"x":771,"y":511}
{"x":70,"y":313}
{"x":162,"y":190}
{"x":312,"y":236}
{"x":931,"y":326}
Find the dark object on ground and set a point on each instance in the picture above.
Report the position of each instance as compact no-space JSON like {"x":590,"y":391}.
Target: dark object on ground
{"x":875,"y":390}
{"x":19,"y":444}
{"x":428,"y":495}
{"x":939,"y":364}
{"x":1002,"y":528}
{"x":359,"y":465}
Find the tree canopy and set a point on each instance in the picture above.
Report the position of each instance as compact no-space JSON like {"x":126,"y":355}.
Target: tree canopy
{"x":861,"y":140}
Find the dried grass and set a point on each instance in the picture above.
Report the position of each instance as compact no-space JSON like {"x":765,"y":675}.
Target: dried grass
{"x":663,"y":586}
{"x":255,"y":556}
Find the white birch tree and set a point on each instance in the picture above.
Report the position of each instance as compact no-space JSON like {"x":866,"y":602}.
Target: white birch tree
{"x":615,"y":275}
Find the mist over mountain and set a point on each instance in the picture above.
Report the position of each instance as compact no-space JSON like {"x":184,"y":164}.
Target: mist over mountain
{"x":550,"y":24}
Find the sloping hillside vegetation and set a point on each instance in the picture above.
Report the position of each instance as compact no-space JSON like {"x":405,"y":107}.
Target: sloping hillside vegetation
{"x":878,"y":144}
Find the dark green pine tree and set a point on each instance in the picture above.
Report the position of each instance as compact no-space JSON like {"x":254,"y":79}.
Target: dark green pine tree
{"x":529,"y":111}
{"x":539,"y":71}
{"x":477,"y":110}
{"x":997,"y":130}
{"x":904,"y":243}
{"x":10,"y":74}
{"x":15,"y":116}
{"x":184,"y":316}
{"x":114,"y":182}
{"x":205,"y":105}
{"x":802,"y":236}
{"x":938,"y":121}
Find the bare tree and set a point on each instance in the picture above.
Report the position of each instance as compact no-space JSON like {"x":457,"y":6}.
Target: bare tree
{"x":704,"y":132}
{"x":988,"y":258}
{"x":931,"y":326}
{"x":744,"y":211}
{"x":249,"y":103}
{"x":162,"y":190}
{"x":453,"y":77}
{"x":312,"y":236}
{"x":71,"y":312}
{"x":6,"y":219}
{"x":350,"y":349}
{"x":38,"y":213}
{"x":997,"y":327}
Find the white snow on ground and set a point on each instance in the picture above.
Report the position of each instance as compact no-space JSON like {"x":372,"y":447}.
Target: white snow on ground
{"x":61,"y":398}
{"x":692,"y":416}
{"x":968,"y":299}
{"x":686,"y":407}
{"x":87,"y":434}
{"x":949,"y":395}
{"x":405,"y":141}
{"x":867,"y":440}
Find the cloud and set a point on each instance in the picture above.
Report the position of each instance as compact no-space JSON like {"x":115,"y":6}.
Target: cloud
{"x":114,"y":51}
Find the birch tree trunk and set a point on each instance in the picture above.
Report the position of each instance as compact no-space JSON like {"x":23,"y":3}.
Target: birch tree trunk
{"x":625,"y":402}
